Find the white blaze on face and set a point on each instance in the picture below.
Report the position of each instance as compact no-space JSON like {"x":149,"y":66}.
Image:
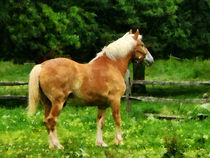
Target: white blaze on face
{"x":148,"y":59}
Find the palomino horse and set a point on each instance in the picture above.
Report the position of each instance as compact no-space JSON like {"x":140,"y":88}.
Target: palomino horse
{"x":100,"y":83}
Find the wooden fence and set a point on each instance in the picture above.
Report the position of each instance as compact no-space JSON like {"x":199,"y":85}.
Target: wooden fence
{"x":130,"y":82}
{"x":13,"y":97}
{"x":13,"y":83}
{"x":128,"y":95}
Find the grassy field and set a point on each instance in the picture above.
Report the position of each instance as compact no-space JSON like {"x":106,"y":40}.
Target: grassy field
{"x":21,"y":136}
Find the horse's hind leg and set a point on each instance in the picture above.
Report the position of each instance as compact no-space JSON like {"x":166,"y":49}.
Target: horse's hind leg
{"x":100,"y":123}
{"x":47,"y":107}
{"x":51,"y":122}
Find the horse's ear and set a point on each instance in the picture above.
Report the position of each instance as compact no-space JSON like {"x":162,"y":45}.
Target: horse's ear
{"x":136,"y":34}
{"x":130,"y":32}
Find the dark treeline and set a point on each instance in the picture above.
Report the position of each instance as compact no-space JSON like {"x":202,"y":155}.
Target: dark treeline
{"x":35,"y":30}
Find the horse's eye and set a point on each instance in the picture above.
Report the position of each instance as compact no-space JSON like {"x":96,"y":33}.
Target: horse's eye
{"x":142,"y":45}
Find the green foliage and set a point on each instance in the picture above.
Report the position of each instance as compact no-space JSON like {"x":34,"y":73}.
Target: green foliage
{"x":201,"y":109}
{"x":174,"y":147}
{"x":38,"y":30}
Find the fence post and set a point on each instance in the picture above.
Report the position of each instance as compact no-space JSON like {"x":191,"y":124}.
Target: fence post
{"x":128,"y":90}
{"x":138,"y":74}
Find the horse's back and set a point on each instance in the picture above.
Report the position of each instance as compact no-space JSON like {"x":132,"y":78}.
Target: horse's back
{"x":61,"y":62}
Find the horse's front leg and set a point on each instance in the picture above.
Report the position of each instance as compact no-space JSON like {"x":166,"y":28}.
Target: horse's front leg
{"x":100,"y":124}
{"x":115,"y":105}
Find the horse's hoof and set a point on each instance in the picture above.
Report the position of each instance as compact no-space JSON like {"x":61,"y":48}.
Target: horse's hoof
{"x":119,"y":142}
{"x":101,"y":144}
{"x":60,"y":147}
{"x":56,"y":146}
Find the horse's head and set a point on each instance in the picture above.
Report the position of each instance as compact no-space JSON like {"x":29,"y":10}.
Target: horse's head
{"x":141,"y":53}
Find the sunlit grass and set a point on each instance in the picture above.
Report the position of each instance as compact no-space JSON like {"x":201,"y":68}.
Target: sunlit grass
{"x":14,"y":72}
{"x":143,"y":136}
{"x":179,"y":70}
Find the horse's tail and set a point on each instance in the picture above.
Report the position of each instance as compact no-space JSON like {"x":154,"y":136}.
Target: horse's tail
{"x":33,"y":90}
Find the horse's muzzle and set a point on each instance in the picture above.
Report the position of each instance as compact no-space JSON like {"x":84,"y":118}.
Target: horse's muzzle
{"x":148,"y":60}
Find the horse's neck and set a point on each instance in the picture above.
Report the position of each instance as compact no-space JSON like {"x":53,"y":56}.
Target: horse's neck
{"x":121,"y":63}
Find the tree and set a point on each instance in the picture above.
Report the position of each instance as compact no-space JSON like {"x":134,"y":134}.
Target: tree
{"x":37,"y":32}
{"x":42,"y":29}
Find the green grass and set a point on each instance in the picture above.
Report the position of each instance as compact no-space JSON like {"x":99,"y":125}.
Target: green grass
{"x":21,"y":136}
{"x":14,"y":72}
{"x":179,"y":70}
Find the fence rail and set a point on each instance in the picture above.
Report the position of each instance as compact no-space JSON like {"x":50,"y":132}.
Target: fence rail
{"x":140,"y":98}
{"x":13,"y":83}
{"x":142,"y":82}
{"x":167,"y":100}
{"x":155,"y":99}
{"x":128,"y":96}
{"x":181,"y":83}
{"x":13,"y":97}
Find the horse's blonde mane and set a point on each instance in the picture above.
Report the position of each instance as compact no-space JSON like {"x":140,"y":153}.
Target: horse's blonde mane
{"x":119,"y":48}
